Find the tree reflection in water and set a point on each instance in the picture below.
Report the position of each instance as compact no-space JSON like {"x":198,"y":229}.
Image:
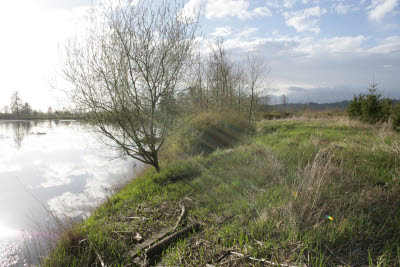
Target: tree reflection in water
{"x":21,"y":129}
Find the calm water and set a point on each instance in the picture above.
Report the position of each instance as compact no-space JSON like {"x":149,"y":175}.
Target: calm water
{"x":49,"y":165}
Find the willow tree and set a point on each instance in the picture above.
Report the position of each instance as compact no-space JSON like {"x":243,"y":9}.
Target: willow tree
{"x":125,"y":72}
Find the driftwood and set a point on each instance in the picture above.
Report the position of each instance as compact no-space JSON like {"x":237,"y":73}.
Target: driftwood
{"x":160,"y":236}
{"x":159,"y":246}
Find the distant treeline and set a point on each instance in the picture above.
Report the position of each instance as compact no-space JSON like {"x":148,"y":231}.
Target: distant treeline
{"x":20,"y":110}
{"x":294,"y":107}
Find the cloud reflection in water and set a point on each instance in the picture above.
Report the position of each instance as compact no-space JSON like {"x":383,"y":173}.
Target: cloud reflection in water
{"x":65,"y":170}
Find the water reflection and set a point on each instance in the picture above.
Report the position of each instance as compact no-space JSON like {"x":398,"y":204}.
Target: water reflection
{"x":49,"y":165}
{"x":18,"y":129}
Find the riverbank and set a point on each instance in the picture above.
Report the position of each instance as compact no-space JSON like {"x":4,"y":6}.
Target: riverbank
{"x":297,"y":192}
{"x":10,"y":118}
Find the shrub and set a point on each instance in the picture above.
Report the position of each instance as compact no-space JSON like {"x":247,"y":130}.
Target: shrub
{"x":396,"y":116}
{"x":370,"y":107}
{"x":209,"y":131}
{"x":354,"y":109}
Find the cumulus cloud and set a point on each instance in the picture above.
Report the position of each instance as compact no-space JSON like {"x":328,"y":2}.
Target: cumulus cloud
{"x":223,"y":8}
{"x":388,"y":45}
{"x":305,"y":19}
{"x":289,"y":3}
{"x":379,"y":8}
{"x":342,"y":44}
{"x":191,"y":9}
{"x":247,"y":32}
{"x":329,"y":94}
{"x":222,"y":31}
{"x":342,"y":9}
{"x":261,"y":11}
{"x":328,"y":66}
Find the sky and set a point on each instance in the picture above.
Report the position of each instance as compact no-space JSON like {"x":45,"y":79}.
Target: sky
{"x":318,"y":50}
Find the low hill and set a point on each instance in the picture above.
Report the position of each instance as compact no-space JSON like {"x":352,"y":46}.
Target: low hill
{"x":293,"y":107}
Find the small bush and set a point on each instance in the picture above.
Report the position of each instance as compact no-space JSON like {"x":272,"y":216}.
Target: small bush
{"x":354,"y":109}
{"x":275,"y":115}
{"x":396,"y":116}
{"x":209,"y":131}
{"x":370,"y":108}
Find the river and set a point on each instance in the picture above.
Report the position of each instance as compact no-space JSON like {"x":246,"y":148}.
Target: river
{"x":50,"y":169}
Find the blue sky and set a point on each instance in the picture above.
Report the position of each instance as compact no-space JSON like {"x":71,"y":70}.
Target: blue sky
{"x":322,"y":51}
{"x":318,"y":50}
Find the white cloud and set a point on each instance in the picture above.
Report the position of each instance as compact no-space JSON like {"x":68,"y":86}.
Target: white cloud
{"x":289,"y":3}
{"x":389,"y":45}
{"x":190,"y":10}
{"x":343,"y":44}
{"x":305,"y":19}
{"x":247,"y":32}
{"x":261,"y":11}
{"x":222,"y":31}
{"x":223,"y":8}
{"x":342,"y":9}
{"x":379,"y":8}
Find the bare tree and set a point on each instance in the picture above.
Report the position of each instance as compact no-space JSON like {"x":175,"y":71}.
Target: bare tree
{"x":240,"y":83}
{"x":6,"y":109}
{"x":256,"y":71}
{"x":127,"y":71}
{"x":284,"y":100}
{"x":16,"y":103}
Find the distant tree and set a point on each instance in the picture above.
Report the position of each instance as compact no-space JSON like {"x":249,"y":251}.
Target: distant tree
{"x":16,"y":103}
{"x":386,"y":109}
{"x":256,"y":71}
{"x":26,"y":109}
{"x":370,"y":107}
{"x":354,"y":110}
{"x":284,"y":100}
{"x":6,"y":109}
{"x":49,"y":110}
{"x":395,"y":117}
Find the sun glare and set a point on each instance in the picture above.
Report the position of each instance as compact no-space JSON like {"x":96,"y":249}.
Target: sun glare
{"x":6,"y":232}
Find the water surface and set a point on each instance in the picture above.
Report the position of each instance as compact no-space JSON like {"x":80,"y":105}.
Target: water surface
{"x":57,"y":166}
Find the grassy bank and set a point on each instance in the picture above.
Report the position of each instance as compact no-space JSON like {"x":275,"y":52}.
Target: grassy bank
{"x":264,"y":201}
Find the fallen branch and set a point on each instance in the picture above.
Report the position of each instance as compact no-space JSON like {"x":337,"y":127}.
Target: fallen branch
{"x":101,"y":261}
{"x":160,"y":236}
{"x":180,"y":218}
{"x":135,"y":217}
{"x":159,"y":246}
{"x":226,"y":219}
{"x":261,"y":260}
{"x":226,"y":254}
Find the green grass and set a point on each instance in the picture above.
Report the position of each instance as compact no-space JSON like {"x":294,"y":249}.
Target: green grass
{"x":265,"y":199}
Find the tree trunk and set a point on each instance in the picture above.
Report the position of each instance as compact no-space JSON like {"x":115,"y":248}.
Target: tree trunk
{"x":156,"y":164}
{"x":251,"y":103}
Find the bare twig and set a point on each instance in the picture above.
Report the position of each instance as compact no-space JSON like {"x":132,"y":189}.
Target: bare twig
{"x":261,"y":260}
{"x":178,"y":222}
